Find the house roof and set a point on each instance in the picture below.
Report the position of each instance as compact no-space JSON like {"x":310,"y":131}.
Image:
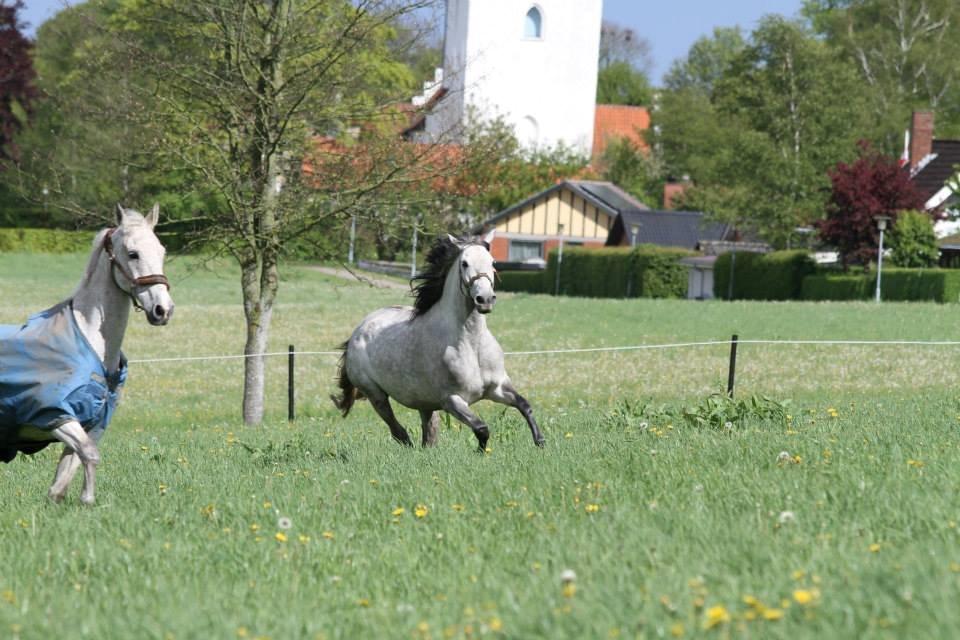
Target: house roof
{"x":613,"y":121}
{"x":604,"y":195}
{"x":667,"y":228}
{"x":933,"y":173}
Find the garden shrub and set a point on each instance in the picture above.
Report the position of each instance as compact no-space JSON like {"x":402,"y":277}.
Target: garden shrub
{"x":647,"y":271}
{"x":762,"y":276}
{"x":938,"y":285}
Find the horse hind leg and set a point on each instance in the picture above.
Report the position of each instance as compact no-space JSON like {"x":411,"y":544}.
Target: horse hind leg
{"x":381,"y":404}
{"x":66,"y":469}
{"x":430,"y":425}
{"x":73,"y":435}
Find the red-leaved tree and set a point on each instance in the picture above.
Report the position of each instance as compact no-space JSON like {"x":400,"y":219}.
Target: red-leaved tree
{"x":873,"y":185}
{"x":17,"y":91}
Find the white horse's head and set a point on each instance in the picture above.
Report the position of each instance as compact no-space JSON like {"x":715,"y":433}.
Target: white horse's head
{"x":477,"y":272}
{"x":136,"y":257}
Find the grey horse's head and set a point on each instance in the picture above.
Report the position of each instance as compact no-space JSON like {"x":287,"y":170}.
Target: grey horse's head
{"x":472,"y":263}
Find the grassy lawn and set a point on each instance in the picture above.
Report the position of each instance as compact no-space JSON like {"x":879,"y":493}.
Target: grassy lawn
{"x":671,"y":530}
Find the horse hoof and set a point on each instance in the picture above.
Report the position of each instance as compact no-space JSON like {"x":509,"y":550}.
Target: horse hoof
{"x":87,"y":500}
{"x":55,"y":498}
{"x":541,"y":442}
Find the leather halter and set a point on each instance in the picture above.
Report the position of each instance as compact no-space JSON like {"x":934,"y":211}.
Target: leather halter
{"x":142,"y":281}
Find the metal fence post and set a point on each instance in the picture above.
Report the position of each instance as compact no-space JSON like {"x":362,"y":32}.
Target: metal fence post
{"x":733,"y":365}
{"x":291,"y":414}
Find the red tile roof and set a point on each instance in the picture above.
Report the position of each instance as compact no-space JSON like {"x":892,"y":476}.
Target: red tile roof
{"x":614,"y":121}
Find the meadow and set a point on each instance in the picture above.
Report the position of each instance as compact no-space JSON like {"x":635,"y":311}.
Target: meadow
{"x":325,"y":528}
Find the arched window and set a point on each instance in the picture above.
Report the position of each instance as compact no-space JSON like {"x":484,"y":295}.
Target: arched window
{"x":533,"y":25}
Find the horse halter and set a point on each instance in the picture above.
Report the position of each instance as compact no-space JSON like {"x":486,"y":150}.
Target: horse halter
{"x":142,"y":281}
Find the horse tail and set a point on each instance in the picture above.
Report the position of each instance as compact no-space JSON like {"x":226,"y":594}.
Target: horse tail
{"x":348,"y":392}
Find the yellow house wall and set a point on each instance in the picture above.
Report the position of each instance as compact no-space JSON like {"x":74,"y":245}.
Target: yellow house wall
{"x":580,"y":219}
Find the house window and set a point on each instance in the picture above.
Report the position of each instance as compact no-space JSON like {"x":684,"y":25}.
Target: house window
{"x":533,"y":25}
{"x":523,"y":250}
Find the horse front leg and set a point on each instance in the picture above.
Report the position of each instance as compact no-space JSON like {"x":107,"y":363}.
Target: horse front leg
{"x":459,"y":409}
{"x":504,"y":393}
{"x":74,"y":437}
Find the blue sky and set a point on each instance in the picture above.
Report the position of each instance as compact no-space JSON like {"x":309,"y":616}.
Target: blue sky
{"x":671,"y":26}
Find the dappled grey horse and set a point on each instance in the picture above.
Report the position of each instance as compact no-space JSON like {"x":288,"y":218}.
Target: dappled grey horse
{"x":61,"y":372}
{"x":437,"y":354}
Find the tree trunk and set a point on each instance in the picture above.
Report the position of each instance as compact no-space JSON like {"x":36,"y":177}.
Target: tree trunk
{"x":259,"y":292}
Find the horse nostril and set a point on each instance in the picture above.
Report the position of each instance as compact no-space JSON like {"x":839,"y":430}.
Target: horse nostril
{"x":159,"y":311}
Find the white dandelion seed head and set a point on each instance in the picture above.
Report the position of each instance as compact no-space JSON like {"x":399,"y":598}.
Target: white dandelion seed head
{"x":568,"y":575}
{"x":344,"y":482}
{"x":642,"y":426}
{"x":786,"y":517}
{"x":784,"y":456}
{"x":698,"y":488}
{"x":728,"y":425}
{"x":284,"y":523}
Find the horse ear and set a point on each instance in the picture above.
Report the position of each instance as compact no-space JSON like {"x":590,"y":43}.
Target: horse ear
{"x":119,"y":214}
{"x":453,"y":240}
{"x":488,"y":239}
{"x":154,"y":216}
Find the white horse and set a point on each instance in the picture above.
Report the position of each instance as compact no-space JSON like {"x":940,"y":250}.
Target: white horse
{"x":438,"y":354}
{"x":61,"y":372}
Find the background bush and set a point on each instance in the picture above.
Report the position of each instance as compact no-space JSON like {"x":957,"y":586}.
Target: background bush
{"x":938,"y":285}
{"x":762,"y":276}
{"x":647,"y":271}
{"x":45,"y":241}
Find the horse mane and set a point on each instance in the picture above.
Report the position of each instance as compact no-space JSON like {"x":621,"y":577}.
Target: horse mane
{"x":430,"y":280}
{"x":92,"y":261}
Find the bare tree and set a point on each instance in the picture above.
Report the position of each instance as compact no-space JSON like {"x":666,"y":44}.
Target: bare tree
{"x":622,"y":44}
{"x":259,"y":99}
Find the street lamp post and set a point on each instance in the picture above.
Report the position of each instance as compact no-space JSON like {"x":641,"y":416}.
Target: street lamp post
{"x":634,"y":232}
{"x":881,"y":225}
{"x":353,"y":237}
{"x":556,"y":289}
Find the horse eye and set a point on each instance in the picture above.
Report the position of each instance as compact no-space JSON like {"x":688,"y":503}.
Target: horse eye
{"x":133,"y":255}
{"x":464,"y":264}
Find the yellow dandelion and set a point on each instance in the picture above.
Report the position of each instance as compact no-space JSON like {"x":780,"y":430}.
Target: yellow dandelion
{"x":421,"y":511}
{"x":874,"y":547}
{"x":8,"y":596}
{"x":804,"y":596}
{"x":955,"y":567}
{"x":303,"y":539}
{"x":592,"y":508}
{"x":399,"y":511}
{"x":496,"y":625}
{"x":715,"y":615}
{"x":457,"y":507}
{"x":568,"y":435}
{"x":280,"y":536}
{"x":799,"y":574}
{"x":423,"y":627}
{"x":916,"y":464}
{"x":328,"y":535}
{"x":750,"y":601}
{"x":242,"y":632}
{"x":569,"y":590}
{"x":363,"y":602}
{"x":772,"y":614}
{"x":677,"y":630}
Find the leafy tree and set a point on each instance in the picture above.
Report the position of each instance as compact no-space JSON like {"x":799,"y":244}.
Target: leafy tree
{"x":706,"y":61}
{"x":633,"y":169}
{"x":18,"y":92}
{"x":905,"y":50}
{"x":619,"y":83}
{"x":912,"y":240}
{"x":873,"y":185}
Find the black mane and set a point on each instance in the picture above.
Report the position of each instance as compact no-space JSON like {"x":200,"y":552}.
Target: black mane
{"x":443,"y":254}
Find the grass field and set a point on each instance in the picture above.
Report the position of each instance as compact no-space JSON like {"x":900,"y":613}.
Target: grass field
{"x":324,"y":528}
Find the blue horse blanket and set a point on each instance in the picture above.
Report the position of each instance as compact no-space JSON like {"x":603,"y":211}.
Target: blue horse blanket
{"x":49,"y":375}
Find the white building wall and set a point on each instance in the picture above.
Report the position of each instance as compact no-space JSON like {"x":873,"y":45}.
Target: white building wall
{"x":545,"y":88}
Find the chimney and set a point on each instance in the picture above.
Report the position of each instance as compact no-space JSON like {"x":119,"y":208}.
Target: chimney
{"x":921,"y":137}
{"x":672,"y":190}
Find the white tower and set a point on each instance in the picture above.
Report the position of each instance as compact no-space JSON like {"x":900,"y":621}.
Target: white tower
{"x":534,"y":63}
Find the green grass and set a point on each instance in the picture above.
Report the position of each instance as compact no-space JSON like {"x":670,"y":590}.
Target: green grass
{"x":183,"y":540}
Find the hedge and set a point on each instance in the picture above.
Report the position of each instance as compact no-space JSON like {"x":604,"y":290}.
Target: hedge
{"x":939,"y":285}
{"x":522,"y":281}
{"x":45,"y":241}
{"x":762,"y":276}
{"x":648,"y":271}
